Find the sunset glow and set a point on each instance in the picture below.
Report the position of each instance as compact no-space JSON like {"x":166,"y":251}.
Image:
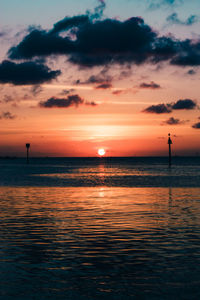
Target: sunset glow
{"x":126,"y":93}
{"x":101,"y":152}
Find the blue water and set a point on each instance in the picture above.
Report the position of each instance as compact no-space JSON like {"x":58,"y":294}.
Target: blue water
{"x":99,"y":229}
{"x":127,"y":172}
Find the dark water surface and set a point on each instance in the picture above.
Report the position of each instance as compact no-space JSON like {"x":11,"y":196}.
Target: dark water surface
{"x":114,"y":237}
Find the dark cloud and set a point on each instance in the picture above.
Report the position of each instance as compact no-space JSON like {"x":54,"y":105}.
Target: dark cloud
{"x":91,"y":41}
{"x":191,"y":72}
{"x":113,"y":41}
{"x":173,"y":121}
{"x":169,"y":107}
{"x":188,"y":54}
{"x":174,"y":19}
{"x":72,"y":100}
{"x":104,"y":86}
{"x":158,"y":109}
{"x":69,"y":22}
{"x":187,"y":60}
{"x":184,"y":104}
{"x":151,"y":85}
{"x":196,"y":126}
{"x":25,"y":73}
{"x":97,"y":43}
{"x":7,"y":115}
{"x":41,"y":43}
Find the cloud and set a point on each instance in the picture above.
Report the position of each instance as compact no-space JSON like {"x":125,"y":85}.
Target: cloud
{"x":67,"y":92}
{"x":158,"y":109}
{"x":104,"y":86}
{"x":91,"y":41}
{"x":117,"y":92}
{"x":69,"y":22}
{"x":72,"y":100}
{"x":25,"y":73}
{"x":8,"y":99}
{"x":169,"y":107}
{"x":41,"y":43}
{"x":98,"y":11}
{"x":36,"y":90}
{"x":191,"y":72}
{"x":155,"y":4}
{"x":7,"y":115}
{"x":196,"y":126}
{"x":92,"y":103}
{"x":184,"y":104}
{"x":96,"y":43}
{"x":99,"y":78}
{"x":173,"y":19}
{"x":173,"y":121}
{"x":151,"y":85}
{"x":78,"y":21}
{"x":2,"y":33}
{"x":188,"y":55}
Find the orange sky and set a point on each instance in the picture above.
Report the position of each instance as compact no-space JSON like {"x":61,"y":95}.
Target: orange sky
{"x":117,"y":122}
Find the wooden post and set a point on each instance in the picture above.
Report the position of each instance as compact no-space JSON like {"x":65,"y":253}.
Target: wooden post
{"x":170,"y":154}
{"x":27,"y":153}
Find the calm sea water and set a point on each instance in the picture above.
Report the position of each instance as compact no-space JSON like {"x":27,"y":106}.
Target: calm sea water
{"x":100,"y":229}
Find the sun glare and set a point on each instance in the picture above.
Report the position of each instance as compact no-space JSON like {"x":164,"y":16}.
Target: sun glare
{"x":101,"y":152}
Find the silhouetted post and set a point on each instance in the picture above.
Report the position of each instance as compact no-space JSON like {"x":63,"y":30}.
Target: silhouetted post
{"x":170,"y":153}
{"x":27,"y":153}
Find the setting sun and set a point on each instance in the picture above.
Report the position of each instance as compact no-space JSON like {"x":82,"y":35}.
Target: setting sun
{"x":101,"y":152}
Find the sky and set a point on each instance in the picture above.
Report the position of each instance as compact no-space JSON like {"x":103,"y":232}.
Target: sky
{"x":77,"y":76}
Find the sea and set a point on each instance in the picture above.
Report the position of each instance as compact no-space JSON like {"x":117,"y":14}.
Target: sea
{"x":100,"y":228}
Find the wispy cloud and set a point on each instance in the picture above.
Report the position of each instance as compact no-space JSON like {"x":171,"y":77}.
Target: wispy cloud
{"x":66,"y":92}
{"x":36,"y":90}
{"x":8,"y":99}
{"x":156,"y":4}
{"x":174,"y":19}
{"x":7,"y":115}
